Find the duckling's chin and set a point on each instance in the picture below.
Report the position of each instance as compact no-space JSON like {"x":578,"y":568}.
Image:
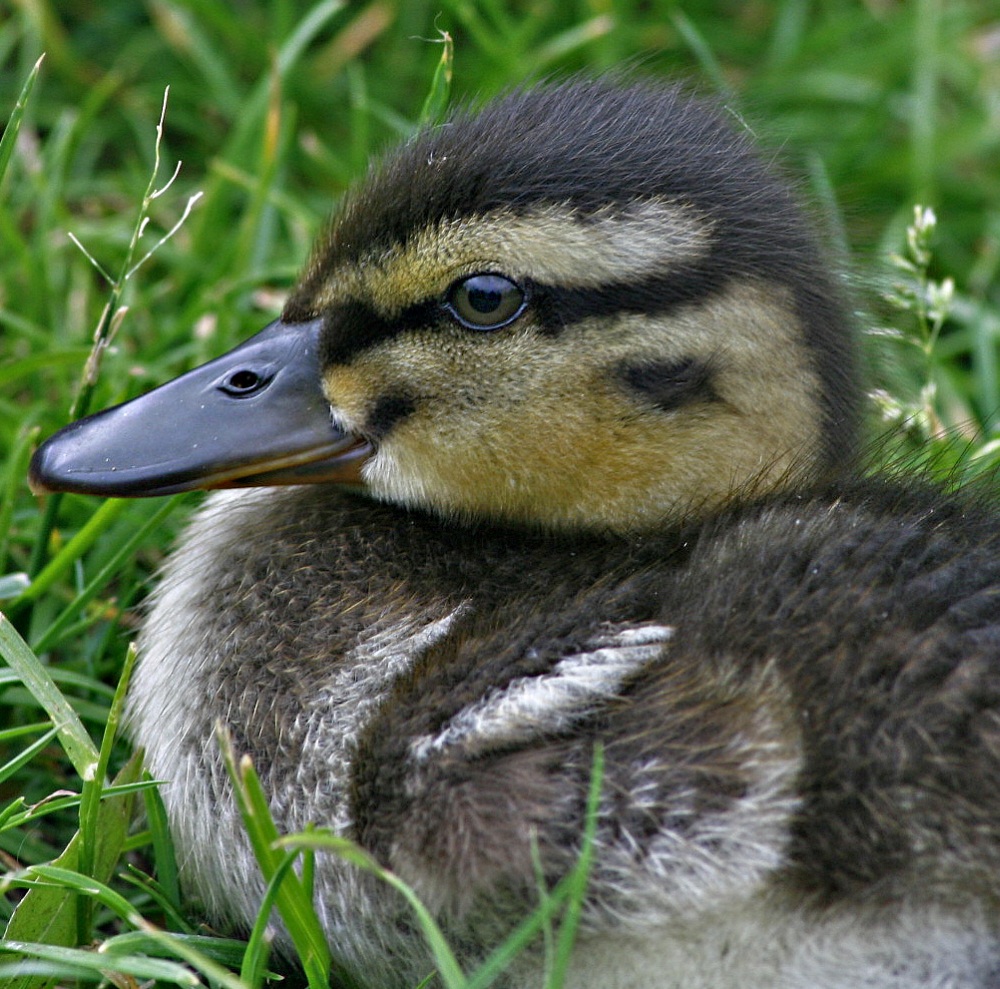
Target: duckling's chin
{"x":633,"y":505}
{"x":384,"y":481}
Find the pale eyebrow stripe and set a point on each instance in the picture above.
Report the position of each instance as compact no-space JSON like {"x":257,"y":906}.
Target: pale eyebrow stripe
{"x":553,"y":244}
{"x":561,"y":246}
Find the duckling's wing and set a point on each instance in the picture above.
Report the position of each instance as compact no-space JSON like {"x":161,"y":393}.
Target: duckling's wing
{"x":802,"y":761}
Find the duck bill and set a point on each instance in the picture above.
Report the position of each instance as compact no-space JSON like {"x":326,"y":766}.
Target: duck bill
{"x":253,"y":417}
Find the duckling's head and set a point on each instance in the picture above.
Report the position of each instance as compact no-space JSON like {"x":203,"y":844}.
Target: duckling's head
{"x":587,"y":306}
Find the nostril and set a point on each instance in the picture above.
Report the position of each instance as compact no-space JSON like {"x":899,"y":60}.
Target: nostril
{"x":244,"y":382}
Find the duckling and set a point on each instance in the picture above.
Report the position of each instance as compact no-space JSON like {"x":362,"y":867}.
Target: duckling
{"x":555,"y":446}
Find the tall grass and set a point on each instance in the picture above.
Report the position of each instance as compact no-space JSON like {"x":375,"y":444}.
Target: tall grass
{"x":274,"y":108}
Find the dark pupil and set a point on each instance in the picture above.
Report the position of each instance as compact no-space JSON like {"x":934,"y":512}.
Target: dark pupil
{"x":486,"y":294}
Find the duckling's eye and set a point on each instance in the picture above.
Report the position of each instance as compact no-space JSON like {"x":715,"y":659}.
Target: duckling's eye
{"x":485,"y":302}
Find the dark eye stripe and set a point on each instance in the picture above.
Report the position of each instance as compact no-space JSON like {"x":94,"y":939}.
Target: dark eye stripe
{"x":559,"y":307}
{"x":353,"y":327}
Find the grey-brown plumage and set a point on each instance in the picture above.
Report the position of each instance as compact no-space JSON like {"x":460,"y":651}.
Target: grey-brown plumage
{"x":594,"y":393}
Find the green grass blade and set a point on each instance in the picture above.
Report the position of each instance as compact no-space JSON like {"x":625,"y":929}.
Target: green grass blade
{"x":63,"y":878}
{"x":702,"y":50}
{"x":569,"y":891}
{"x":86,"y":963}
{"x":73,"y":737}
{"x":17,"y":466}
{"x":258,"y":947}
{"x":173,"y":919}
{"x":73,"y":550}
{"x":91,"y":808}
{"x":51,"y":635}
{"x":48,"y":912}
{"x":448,"y":967}
{"x":578,"y":878}
{"x":924,"y":98}
{"x":306,"y":30}
{"x":224,"y":951}
{"x":26,"y":755}
{"x":291,"y":900}
{"x":163,"y":847}
{"x":184,"y":948}
{"x":18,"y":813}
{"x":572,"y":39}
{"x":9,"y":137}
{"x":436,"y":104}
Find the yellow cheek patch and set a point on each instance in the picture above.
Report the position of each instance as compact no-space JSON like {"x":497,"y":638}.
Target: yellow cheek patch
{"x":551,"y":244}
{"x":539,"y":429}
{"x":349,"y":391}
